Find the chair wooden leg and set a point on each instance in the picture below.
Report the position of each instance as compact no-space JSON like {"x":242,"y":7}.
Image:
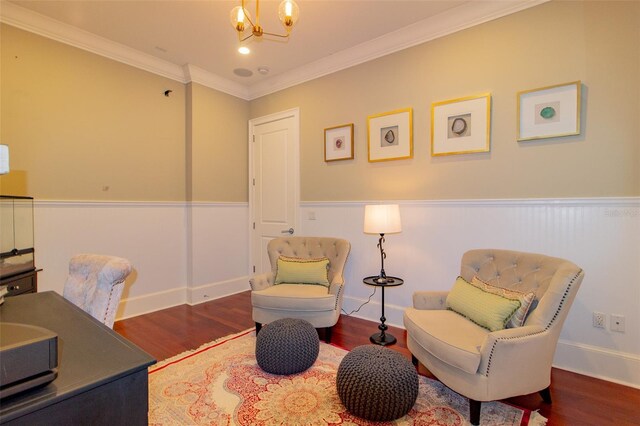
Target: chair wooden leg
{"x":327,"y":334}
{"x":474,"y":411}
{"x":258,"y":328}
{"x":546,"y":395}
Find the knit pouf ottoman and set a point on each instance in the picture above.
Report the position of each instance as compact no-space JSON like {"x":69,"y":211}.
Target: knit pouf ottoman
{"x":287,"y":346}
{"x":377,"y":383}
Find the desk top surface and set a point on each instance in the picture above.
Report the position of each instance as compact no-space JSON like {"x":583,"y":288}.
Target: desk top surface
{"x":90,"y":354}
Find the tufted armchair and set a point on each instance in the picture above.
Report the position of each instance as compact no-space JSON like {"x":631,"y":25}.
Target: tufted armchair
{"x":484,"y":365}
{"x":95,"y":284}
{"x":316,"y":304}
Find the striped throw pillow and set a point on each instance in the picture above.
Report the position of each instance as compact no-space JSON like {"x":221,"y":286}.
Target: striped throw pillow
{"x":488,"y":310}
{"x":526,"y":299}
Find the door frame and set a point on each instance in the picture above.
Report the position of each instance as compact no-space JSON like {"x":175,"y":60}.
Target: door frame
{"x":253,"y":123}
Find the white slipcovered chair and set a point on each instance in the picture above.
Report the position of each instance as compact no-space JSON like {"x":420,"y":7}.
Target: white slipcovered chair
{"x":485,"y":365}
{"x":95,"y":284}
{"x":314,"y":303}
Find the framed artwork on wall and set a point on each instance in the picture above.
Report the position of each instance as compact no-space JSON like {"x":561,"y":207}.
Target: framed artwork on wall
{"x":338,"y":143}
{"x":549,"y":112}
{"x":461,"y":126}
{"x":390,"y":135}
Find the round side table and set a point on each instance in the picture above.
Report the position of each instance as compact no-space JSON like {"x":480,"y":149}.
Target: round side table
{"x":383,"y":338}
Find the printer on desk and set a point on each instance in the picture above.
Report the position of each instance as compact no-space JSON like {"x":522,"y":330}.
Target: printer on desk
{"x":28,"y":357}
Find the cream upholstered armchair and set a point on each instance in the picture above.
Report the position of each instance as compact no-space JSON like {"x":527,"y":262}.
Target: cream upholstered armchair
{"x":95,"y":284}
{"x":317,"y":304}
{"x":488,"y":365}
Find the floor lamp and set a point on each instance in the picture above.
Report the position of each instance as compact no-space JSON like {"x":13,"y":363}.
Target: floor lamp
{"x":382,"y":219}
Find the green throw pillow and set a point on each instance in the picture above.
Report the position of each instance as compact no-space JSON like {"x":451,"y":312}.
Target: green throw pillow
{"x":488,"y":310}
{"x":526,"y":300}
{"x":296,"y":270}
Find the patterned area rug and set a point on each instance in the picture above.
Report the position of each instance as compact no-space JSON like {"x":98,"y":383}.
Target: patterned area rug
{"x":221,"y":384}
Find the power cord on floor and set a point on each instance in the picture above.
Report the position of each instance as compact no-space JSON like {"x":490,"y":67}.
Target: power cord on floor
{"x":360,"y":307}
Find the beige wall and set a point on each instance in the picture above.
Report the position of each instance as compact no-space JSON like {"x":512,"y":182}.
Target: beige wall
{"x":558,"y":42}
{"x":217,"y":167}
{"x":77,"y":123}
{"x":83,"y":127}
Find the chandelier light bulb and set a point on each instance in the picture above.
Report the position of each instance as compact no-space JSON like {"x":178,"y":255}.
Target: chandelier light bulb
{"x":288,"y":13}
{"x":239,"y":18}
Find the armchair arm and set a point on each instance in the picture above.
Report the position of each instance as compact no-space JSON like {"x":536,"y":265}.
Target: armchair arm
{"x":336,"y":285}
{"x":261,"y":281}
{"x":431,"y":300}
{"x":529,"y":348}
{"x":337,"y":288}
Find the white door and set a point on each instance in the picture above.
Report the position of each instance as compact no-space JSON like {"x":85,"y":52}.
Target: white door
{"x":274,"y":176}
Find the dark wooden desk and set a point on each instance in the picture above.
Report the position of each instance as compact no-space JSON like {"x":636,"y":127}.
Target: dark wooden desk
{"x":102,"y":377}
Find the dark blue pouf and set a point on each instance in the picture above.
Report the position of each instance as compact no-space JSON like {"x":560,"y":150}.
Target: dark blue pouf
{"x":377,"y":383}
{"x":287,"y":346}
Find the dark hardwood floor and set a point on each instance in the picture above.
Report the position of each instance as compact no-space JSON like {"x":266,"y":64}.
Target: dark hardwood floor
{"x":577,"y":399}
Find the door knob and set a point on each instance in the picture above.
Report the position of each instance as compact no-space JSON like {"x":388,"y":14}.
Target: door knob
{"x":287,"y":231}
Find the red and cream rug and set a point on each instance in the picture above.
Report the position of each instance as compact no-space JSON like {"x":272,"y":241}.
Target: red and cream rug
{"x":221,"y":384}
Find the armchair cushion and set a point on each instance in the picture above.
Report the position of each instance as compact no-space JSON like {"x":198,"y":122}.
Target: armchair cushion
{"x":294,"y":270}
{"x":526,"y":300}
{"x":488,"y":310}
{"x":294,"y":297}
{"x":449,"y":336}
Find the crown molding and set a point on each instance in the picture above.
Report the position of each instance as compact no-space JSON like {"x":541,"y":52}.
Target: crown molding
{"x":28,"y":20}
{"x":459,"y":18}
{"x":453,"y":20}
{"x":213,"y":81}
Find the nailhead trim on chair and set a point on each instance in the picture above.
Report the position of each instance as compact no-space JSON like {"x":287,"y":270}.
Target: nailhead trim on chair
{"x":335,"y":306}
{"x":553,"y":319}
{"x":106,"y":313}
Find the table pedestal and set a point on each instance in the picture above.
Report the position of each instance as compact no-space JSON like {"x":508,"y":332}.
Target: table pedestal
{"x":383,"y":338}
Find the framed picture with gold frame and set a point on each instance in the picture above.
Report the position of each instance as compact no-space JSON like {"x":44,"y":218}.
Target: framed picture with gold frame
{"x":390,"y":135}
{"x":338,"y":143}
{"x":461,"y":126}
{"x":549,"y":112}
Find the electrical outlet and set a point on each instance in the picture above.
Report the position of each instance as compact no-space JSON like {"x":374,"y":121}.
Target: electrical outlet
{"x":617,"y":323}
{"x":599,"y":319}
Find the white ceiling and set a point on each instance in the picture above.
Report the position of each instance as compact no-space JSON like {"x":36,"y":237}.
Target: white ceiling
{"x":196,"y":35}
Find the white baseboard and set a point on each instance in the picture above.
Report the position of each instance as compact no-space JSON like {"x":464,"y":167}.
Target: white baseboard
{"x":140,"y":305}
{"x":207,"y":292}
{"x":592,"y":361}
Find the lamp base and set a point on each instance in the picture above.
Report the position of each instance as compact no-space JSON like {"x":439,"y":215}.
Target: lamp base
{"x":382,"y":339}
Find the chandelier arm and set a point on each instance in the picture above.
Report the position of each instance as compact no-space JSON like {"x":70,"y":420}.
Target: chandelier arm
{"x":277,"y":35}
{"x":246,"y":38}
{"x":246,"y":16}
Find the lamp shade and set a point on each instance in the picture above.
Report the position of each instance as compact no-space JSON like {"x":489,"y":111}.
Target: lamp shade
{"x":382,"y":219}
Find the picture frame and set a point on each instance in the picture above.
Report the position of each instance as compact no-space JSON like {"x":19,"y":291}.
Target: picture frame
{"x":461,"y":126}
{"x":390,"y":135}
{"x":549,"y":112}
{"x":338,"y":143}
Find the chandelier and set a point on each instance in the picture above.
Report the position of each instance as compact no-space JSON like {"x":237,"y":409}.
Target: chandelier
{"x":241,"y":20}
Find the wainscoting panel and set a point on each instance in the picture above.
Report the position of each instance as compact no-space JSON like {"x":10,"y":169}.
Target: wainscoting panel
{"x":218,"y":250}
{"x":154,"y":237}
{"x":190,"y":253}
{"x":600,"y":235}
